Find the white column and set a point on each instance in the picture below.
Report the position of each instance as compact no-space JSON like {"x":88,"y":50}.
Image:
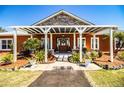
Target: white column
{"x":74,"y":46}
{"x":15,"y":46}
{"x":45,"y":47}
{"x":80,"y":34}
{"x":111,"y":45}
{"x":51,"y":41}
{"x":31,"y":36}
{"x":94,"y":42}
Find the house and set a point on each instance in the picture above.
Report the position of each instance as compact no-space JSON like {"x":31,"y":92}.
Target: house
{"x":61,"y":32}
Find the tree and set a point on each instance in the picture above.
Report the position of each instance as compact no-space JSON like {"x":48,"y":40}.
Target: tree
{"x":32,"y":44}
{"x":2,"y":30}
{"x":119,"y":36}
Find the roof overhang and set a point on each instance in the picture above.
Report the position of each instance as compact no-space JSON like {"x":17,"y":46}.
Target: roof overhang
{"x":63,"y":29}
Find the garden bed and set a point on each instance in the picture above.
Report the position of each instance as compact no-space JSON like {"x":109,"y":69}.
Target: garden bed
{"x":104,"y":63}
{"x":17,"y":65}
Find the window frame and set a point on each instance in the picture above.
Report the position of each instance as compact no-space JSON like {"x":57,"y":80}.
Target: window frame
{"x":7,"y":39}
{"x":96,"y":42}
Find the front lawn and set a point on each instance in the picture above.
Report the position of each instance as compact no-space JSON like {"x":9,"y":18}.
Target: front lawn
{"x":17,"y":78}
{"x":108,"y":78}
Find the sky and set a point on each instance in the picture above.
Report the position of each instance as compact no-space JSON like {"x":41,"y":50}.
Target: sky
{"x":27,"y":15}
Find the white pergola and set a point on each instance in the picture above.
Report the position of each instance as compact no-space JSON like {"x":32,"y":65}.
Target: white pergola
{"x":63,"y":29}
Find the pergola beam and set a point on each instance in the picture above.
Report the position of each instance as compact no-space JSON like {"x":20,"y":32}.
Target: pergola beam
{"x":70,"y":30}
{"x":54,"y":30}
{"x":38,"y":30}
{"x":62,"y":26}
{"x":24,"y":30}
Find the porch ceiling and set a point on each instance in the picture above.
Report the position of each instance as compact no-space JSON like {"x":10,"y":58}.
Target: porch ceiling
{"x":63,"y":29}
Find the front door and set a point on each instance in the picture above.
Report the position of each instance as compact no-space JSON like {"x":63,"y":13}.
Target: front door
{"x":63,"y":44}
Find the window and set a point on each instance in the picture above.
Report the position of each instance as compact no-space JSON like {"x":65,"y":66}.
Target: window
{"x":83,"y":42}
{"x":97,"y":43}
{"x":5,"y":44}
{"x":117,"y":45}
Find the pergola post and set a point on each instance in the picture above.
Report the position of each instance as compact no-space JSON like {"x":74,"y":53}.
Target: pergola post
{"x":80,"y":34}
{"x":46,"y":47}
{"x":15,"y":46}
{"x":74,"y":42}
{"x":46,"y":30}
{"x":31,"y":36}
{"x":94,"y":42}
{"x":51,"y":41}
{"x":81,"y":30}
{"x":111,"y":45}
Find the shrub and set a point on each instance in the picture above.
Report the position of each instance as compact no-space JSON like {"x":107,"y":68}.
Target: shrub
{"x":94,"y":55}
{"x":121,"y":55}
{"x":7,"y":58}
{"x":75,"y":57}
{"x":32,"y":44}
{"x":100,"y":53}
{"x":85,"y":50}
{"x":70,"y":59}
{"x":40,"y":55}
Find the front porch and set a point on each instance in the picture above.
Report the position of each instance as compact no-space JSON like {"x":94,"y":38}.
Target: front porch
{"x":80,"y":29}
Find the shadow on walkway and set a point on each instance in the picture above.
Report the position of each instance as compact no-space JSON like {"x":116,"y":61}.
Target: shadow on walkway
{"x":61,"y":78}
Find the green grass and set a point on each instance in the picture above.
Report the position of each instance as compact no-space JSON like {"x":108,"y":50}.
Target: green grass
{"x":108,"y":78}
{"x":17,"y":78}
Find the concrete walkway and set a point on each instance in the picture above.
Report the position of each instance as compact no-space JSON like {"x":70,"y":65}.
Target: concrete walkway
{"x":52,"y":66}
{"x":61,"y":78}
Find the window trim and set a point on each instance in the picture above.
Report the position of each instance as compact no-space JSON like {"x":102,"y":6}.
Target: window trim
{"x":1,"y":43}
{"x":96,"y":42}
{"x":79,"y":42}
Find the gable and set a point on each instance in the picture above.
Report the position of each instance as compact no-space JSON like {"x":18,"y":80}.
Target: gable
{"x":62,"y":18}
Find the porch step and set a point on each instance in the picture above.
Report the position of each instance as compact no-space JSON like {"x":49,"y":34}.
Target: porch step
{"x":62,"y":58}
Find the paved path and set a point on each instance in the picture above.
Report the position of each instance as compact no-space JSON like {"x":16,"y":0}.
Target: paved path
{"x":46,"y":67}
{"x":61,"y":78}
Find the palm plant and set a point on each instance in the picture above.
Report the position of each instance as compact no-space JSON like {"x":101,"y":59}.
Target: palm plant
{"x":32,"y":44}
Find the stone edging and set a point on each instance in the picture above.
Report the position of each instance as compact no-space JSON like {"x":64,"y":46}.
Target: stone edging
{"x":89,"y":78}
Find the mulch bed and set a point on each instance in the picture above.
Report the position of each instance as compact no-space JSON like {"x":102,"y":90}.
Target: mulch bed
{"x":104,"y":60}
{"x":17,"y":65}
